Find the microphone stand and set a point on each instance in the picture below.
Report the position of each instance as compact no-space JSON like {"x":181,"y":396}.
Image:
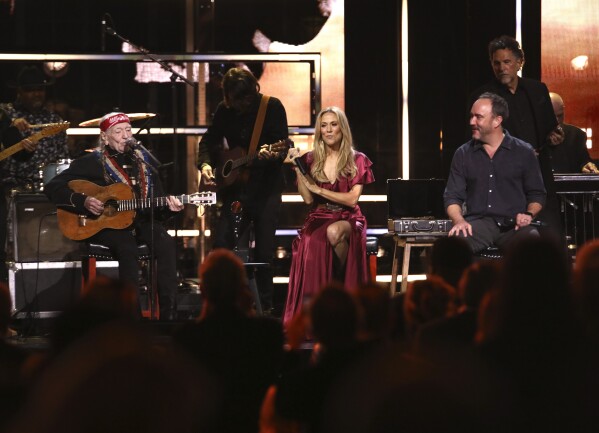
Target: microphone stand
{"x":175,"y":76}
{"x":154,"y":170}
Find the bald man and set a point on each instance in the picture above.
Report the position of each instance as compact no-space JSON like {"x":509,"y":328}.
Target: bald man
{"x":569,"y":153}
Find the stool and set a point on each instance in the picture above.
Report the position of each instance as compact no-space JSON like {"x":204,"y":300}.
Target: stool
{"x":102,"y":252}
{"x":406,"y":243}
{"x":372,"y":250}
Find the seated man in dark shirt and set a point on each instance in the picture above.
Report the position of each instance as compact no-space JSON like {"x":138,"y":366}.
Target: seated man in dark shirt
{"x":569,"y":153}
{"x":496,"y":178}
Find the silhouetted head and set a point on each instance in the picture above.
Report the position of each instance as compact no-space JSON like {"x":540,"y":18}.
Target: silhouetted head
{"x":240,"y":89}
{"x":427,"y":300}
{"x":223,"y":280}
{"x":449,"y":257}
{"x":374,"y":308}
{"x":334,"y":317}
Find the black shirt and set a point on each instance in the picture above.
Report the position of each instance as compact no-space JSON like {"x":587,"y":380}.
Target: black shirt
{"x":501,"y":186}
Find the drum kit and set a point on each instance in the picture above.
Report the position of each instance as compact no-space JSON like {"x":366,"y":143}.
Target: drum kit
{"x":51,"y":169}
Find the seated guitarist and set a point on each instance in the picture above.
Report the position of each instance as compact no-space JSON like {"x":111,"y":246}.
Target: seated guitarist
{"x":259,"y":188}
{"x":115,"y":161}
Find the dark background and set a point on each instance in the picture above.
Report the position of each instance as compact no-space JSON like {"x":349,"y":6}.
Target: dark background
{"x":447,"y":51}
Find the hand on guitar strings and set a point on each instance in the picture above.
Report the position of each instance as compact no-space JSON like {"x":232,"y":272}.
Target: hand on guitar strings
{"x":174,"y":204}
{"x":95,"y":206}
{"x":265,"y":152}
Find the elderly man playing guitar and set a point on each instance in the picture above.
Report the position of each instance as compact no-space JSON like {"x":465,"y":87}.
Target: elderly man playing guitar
{"x":117,"y":162}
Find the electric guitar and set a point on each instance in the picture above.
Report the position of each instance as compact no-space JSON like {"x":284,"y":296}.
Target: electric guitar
{"x":46,"y":132}
{"x":119,"y":208}
{"x":235,"y":160}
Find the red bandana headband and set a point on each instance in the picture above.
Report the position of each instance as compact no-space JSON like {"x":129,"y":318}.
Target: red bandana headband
{"x":112,"y":119}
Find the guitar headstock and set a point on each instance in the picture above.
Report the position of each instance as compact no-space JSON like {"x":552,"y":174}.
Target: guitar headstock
{"x":207,"y":198}
{"x":54,"y":129}
{"x":281,"y":145}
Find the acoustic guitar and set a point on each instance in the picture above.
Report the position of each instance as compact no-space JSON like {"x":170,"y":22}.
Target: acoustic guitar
{"x":119,"y":208}
{"x":46,"y":132}
{"x":235,"y":160}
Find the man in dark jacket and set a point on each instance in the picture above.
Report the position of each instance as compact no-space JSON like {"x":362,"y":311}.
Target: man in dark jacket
{"x":531,"y":114}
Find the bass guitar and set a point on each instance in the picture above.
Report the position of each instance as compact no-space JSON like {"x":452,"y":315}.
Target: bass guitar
{"x":51,"y":129}
{"x":119,"y":208}
{"x":235,"y":160}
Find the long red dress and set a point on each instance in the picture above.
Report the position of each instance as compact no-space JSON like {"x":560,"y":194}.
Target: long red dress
{"x":312,"y":260}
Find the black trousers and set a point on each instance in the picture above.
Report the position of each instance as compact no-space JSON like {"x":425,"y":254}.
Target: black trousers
{"x":261,"y":218}
{"x":123,"y":246}
{"x":486,"y":232}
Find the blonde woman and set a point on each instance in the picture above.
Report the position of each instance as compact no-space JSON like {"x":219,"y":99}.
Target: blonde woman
{"x":331,"y":245}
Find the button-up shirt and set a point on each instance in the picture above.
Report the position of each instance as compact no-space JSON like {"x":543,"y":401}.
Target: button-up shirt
{"x":501,"y":186}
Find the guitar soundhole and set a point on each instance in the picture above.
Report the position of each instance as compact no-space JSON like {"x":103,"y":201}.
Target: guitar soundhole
{"x":111,"y":207}
{"x":227,"y":168}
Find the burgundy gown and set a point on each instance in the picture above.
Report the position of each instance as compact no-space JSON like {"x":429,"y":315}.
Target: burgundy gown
{"x":312,"y":261}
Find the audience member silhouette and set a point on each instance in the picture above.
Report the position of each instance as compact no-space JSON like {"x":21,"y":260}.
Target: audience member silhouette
{"x":105,"y":299}
{"x":449,"y":257}
{"x":12,"y":358}
{"x":425,"y":301}
{"x":528,"y":331}
{"x":448,"y":334}
{"x":298,"y":400}
{"x":586,"y":288}
{"x":243,"y":352}
{"x":374,"y":313}
{"x":116,"y":379}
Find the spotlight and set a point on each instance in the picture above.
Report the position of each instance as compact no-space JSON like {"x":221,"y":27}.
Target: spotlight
{"x":580,"y":63}
{"x":56,"y":69}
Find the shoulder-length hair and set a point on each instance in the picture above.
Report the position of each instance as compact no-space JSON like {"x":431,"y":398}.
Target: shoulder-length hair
{"x":346,"y":165}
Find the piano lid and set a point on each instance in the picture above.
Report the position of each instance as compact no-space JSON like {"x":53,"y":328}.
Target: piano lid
{"x":576,"y":183}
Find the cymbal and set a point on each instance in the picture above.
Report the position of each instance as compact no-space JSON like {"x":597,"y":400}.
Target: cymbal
{"x":132,"y":117}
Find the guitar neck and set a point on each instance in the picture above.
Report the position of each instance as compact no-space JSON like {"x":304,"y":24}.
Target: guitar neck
{"x":32,"y":138}
{"x":140,"y":203}
{"x":11,"y":150}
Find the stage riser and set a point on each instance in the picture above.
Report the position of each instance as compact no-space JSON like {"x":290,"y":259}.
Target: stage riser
{"x":44,"y":290}
{"x":48,"y":288}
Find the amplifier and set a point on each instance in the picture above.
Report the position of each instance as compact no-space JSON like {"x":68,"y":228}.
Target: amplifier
{"x":34,"y":233}
{"x":419,"y":227}
{"x":48,"y":288}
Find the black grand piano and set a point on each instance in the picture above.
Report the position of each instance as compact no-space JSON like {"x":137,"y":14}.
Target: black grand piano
{"x":579,"y":205}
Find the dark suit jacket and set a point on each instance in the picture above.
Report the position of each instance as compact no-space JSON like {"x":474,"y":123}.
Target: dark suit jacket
{"x":540,"y":104}
{"x":571,"y":155}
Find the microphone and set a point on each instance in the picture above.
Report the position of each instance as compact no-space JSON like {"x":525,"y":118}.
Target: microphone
{"x":103,"y":35}
{"x":131,"y":143}
{"x":300,"y":165}
{"x":509,"y":223}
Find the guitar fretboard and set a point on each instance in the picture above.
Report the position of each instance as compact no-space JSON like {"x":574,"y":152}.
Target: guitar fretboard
{"x":156,"y":202}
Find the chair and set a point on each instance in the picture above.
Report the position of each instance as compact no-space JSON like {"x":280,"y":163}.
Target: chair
{"x":97,"y":252}
{"x":372,"y":249}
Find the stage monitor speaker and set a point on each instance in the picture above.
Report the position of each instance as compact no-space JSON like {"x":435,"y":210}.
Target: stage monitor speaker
{"x":34,"y":223}
{"x":46,"y":289}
